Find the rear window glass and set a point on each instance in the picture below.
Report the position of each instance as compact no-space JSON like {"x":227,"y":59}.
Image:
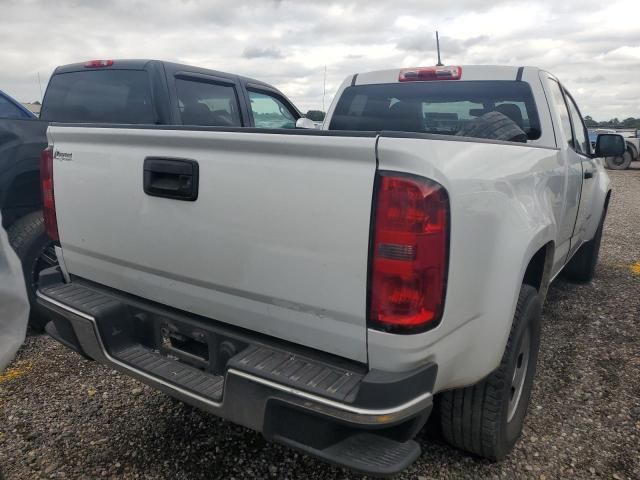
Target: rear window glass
{"x":466,"y":108}
{"x":99,"y":96}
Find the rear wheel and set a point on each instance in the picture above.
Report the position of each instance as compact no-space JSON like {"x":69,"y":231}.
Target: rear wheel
{"x":619,"y":163}
{"x":486,"y":419}
{"x":36,"y":252}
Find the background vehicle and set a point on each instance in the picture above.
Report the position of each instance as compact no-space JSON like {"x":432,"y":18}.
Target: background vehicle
{"x":621,"y":162}
{"x":593,"y":135}
{"x":632,"y":151}
{"x":10,"y":108}
{"x":115,"y":91}
{"x":322,"y":286}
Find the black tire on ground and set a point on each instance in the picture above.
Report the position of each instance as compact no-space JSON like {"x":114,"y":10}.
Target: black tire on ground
{"x":35,"y":251}
{"x":619,"y":163}
{"x":494,"y":126}
{"x":486,"y":419}
{"x":582,"y":266}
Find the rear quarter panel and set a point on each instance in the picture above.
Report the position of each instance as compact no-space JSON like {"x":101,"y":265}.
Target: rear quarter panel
{"x":506,"y":202}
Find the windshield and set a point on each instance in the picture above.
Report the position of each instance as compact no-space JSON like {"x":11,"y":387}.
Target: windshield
{"x":99,"y":96}
{"x":445,"y":107}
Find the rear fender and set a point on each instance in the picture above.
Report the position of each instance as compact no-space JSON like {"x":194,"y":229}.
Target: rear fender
{"x":502,"y":213}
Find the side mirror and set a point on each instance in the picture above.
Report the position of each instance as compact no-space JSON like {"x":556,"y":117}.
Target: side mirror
{"x":304,"y":122}
{"x":610,"y":145}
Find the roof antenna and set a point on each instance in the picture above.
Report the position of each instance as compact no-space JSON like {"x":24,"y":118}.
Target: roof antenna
{"x":439,"y":64}
{"x":324,"y":86}
{"x":40,"y":83}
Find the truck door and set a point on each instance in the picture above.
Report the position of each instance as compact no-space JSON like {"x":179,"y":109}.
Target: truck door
{"x":572,"y":179}
{"x":587,"y":212}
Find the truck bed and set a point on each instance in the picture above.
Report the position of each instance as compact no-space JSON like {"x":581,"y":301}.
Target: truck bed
{"x":278,"y":239}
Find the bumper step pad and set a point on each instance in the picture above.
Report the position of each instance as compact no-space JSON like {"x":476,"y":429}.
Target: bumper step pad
{"x":80,"y":298}
{"x":176,"y":373}
{"x":299,"y":372}
{"x":374,"y":454}
{"x":367,"y":453}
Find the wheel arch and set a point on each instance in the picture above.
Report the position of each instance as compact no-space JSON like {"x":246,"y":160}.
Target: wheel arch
{"x":538,"y":270}
{"x":606,"y":199}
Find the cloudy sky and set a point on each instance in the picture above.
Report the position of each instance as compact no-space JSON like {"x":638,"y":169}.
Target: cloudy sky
{"x":593,"y":46}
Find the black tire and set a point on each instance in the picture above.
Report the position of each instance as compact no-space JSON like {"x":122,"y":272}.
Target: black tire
{"x":582,"y":266}
{"x":486,"y":419}
{"x":619,"y":163}
{"x":494,"y":126}
{"x":35,"y":251}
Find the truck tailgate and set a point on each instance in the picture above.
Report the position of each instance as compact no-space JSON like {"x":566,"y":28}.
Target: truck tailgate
{"x":276,"y":241}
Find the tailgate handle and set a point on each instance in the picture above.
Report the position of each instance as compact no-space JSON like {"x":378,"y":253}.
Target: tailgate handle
{"x":175,"y":178}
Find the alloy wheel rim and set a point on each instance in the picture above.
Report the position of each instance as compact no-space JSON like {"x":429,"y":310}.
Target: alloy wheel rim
{"x":519,"y":374}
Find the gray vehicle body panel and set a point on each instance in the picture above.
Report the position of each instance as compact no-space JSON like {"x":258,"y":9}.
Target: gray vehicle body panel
{"x":21,"y":142}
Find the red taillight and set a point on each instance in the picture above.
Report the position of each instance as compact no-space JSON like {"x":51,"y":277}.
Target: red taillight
{"x":98,"y":63}
{"x":410,"y":254}
{"x":422,"y":74}
{"x":48,"y":200}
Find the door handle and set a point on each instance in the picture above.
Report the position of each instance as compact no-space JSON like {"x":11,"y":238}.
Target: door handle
{"x":588,"y":174}
{"x":175,"y":178}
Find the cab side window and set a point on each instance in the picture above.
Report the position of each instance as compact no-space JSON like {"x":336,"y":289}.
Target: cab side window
{"x":557,"y":98}
{"x":581,"y":144}
{"x":269,"y":112}
{"x":208,"y":104}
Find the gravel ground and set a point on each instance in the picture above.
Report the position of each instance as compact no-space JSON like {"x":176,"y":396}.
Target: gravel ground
{"x":65,"y":417}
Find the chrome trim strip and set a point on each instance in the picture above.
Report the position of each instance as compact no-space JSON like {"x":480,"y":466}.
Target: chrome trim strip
{"x":63,"y":266}
{"x":408,"y":407}
{"x":41,"y":295}
{"x":330,"y":403}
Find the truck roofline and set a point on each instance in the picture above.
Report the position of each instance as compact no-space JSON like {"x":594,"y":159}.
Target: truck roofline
{"x":471,"y":72}
{"x":141,"y":64}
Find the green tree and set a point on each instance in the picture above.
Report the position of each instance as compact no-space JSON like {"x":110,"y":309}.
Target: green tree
{"x":590,"y":122}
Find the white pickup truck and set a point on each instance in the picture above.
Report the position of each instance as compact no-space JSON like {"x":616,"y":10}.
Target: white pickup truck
{"x":325,"y":287}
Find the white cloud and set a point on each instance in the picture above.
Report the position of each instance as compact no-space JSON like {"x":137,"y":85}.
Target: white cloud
{"x":588,"y":44}
{"x":624,"y":53}
{"x":262,"y":52}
